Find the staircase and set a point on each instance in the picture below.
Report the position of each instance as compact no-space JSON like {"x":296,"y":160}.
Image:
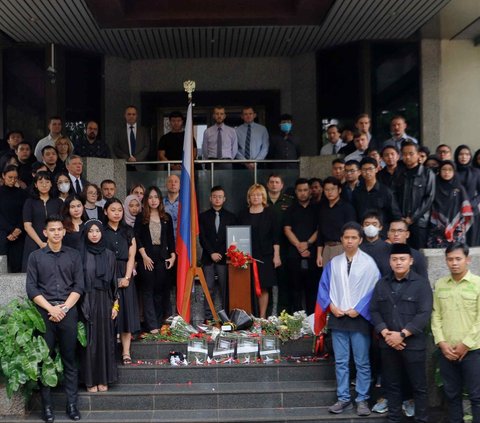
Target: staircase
{"x":151,"y":391}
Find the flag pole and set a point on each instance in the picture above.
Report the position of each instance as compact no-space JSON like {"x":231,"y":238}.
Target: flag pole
{"x":194,"y":270}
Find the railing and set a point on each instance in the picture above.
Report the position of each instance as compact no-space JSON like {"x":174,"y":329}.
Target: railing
{"x":232,"y":175}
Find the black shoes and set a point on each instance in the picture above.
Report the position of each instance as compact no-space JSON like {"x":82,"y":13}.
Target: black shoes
{"x":72,"y":412}
{"x":47,"y":415}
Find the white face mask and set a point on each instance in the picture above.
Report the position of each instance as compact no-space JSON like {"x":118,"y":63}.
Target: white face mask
{"x":371,"y":231}
{"x":64,"y":187}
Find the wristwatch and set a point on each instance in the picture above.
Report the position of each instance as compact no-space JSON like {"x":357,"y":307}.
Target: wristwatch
{"x":65,"y":309}
{"x":402,"y":334}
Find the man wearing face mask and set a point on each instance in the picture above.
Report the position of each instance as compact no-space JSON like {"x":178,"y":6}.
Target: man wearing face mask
{"x":284,"y":145}
{"x":372,"y":244}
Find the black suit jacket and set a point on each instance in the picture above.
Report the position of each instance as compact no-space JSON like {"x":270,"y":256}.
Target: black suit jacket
{"x":144,"y":239}
{"x":120,"y":144}
{"x":210,"y":240}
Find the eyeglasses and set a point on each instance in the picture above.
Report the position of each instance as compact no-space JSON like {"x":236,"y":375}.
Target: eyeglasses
{"x":397,"y":231}
{"x":368,"y":169}
{"x":351,"y":171}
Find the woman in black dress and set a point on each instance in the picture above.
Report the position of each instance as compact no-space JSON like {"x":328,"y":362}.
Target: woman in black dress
{"x":35,"y":211}
{"x":452,"y":213}
{"x":469,"y":177}
{"x":99,"y":307}
{"x":156,"y":246}
{"x":73,"y":213}
{"x":120,"y":239}
{"x":265,"y":240}
{"x":12,"y":235}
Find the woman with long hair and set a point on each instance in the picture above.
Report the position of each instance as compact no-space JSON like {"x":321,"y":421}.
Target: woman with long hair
{"x":452,"y":213}
{"x":138,"y":190}
{"x":469,"y":177}
{"x":100,"y":308}
{"x":35,"y":211}
{"x":265,"y":240}
{"x":64,"y":148}
{"x":120,"y":239}
{"x":74,"y":216}
{"x":156,"y":247}
{"x":12,"y":234}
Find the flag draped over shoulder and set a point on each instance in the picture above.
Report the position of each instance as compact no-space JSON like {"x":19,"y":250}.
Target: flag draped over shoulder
{"x":187,"y":228}
{"x":346,"y":290}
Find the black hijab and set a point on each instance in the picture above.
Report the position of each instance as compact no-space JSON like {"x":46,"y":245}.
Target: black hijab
{"x":101,"y":277}
{"x":468,"y":175}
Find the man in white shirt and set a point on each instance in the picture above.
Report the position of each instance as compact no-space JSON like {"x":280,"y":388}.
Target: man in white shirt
{"x":398,"y":126}
{"x":55,"y":132}
{"x":335,"y":143}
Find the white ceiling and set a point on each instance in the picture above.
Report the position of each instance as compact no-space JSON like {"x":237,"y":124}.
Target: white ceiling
{"x":71,"y":24}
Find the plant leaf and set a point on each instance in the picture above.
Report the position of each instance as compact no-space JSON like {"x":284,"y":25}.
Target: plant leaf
{"x":82,"y":334}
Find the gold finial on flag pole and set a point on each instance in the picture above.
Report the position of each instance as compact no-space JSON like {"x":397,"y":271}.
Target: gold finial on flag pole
{"x":189,"y":87}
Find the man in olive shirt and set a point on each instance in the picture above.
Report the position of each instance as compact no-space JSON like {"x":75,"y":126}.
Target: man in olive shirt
{"x":456,"y":331}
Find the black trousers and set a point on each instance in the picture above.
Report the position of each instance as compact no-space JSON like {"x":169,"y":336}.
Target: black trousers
{"x":155,"y":290}
{"x":13,"y":250}
{"x":209,"y":271}
{"x":456,"y":375}
{"x":302,"y":284}
{"x":65,"y":334}
{"x":418,"y":237}
{"x":394,"y":365}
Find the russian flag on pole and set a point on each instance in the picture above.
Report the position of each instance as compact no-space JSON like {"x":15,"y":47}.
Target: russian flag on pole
{"x":187,"y":228}
{"x":322,"y":307}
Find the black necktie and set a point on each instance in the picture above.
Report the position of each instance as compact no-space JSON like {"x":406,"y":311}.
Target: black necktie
{"x":133,"y":141}
{"x":247,"y":142}
{"x":219,"y":143}
{"x":78,"y":189}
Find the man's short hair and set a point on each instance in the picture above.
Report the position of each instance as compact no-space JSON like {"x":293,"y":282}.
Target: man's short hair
{"x":409,"y":143}
{"x":311,"y":181}
{"x":372,"y":214}
{"x":9,"y":133}
{"x":176,"y":114}
{"x":398,"y":117}
{"x":54,"y":118}
{"x":73,"y":156}
{"x":452,"y":246}
{"x":353,"y":163}
{"x":53,"y":218}
{"x":335,"y":161}
{"x":301,"y":181}
{"x":91,"y":121}
{"x":361,"y":116}
{"x":389,"y":146}
{"x":107,"y":181}
{"x":217,"y":188}
{"x":358,"y":134}
{"x":246,"y":107}
{"x":286,"y":116}
{"x":368,"y":160}
{"x":49,"y":147}
{"x":334,"y":125}
{"x":354,"y":226}
{"x":443,"y":146}
{"x":275,"y":175}
{"x":424,"y":149}
{"x":22,"y":143}
{"x":402,"y":221}
{"x":332,"y":180}
{"x":218,"y":106}
{"x":131,"y":106}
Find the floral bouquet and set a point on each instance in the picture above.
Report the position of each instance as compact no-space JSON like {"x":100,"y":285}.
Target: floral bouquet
{"x":237,"y":258}
{"x":286,"y":326}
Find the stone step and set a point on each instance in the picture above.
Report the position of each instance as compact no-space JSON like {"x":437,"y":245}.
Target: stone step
{"x":150,"y":350}
{"x":271,"y":415}
{"x":142,"y":373}
{"x":192,"y":396}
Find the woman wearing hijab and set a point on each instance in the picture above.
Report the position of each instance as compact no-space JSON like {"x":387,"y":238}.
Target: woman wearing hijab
{"x":469,"y":177}
{"x":452,"y":213}
{"x":132,"y":207}
{"x":100,"y":309}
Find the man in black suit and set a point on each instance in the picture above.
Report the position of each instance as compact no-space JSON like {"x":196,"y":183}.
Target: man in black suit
{"x":132,"y":142}
{"x":213,"y":239}
{"x":74,"y":166}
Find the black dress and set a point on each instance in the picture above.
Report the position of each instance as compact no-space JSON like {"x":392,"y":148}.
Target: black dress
{"x":12,"y":200}
{"x":119,"y":241}
{"x":98,"y":358}
{"x":36,"y":211}
{"x":75,"y":239}
{"x":265,"y":232}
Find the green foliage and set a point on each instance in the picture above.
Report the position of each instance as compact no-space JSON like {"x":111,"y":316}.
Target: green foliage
{"x":82,"y":334}
{"x":24,"y":354}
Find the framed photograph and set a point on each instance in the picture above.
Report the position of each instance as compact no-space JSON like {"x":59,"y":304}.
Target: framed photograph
{"x":241,"y":236}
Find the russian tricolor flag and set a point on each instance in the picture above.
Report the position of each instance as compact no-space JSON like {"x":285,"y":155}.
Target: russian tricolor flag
{"x":187,"y":228}
{"x":322,"y":306}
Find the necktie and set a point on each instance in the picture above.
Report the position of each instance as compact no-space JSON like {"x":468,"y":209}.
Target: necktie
{"x":77,"y":186}
{"x":219,"y":143}
{"x":133,"y":141}
{"x":247,"y":142}
{"x":334,"y":150}
{"x":217,"y":221}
